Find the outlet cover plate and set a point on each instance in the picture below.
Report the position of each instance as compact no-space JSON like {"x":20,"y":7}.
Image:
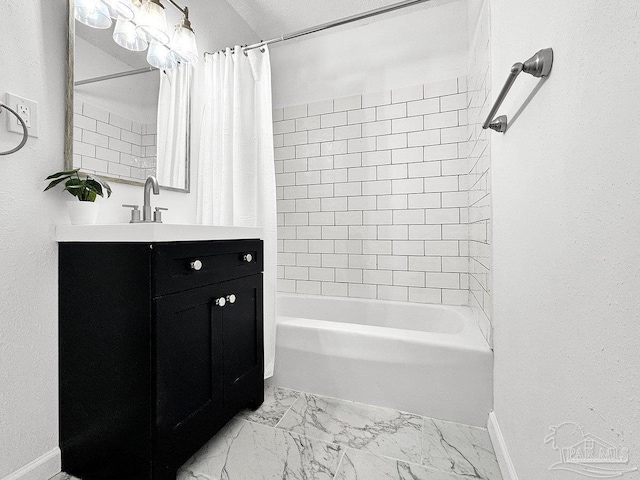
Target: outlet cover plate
{"x":20,"y":104}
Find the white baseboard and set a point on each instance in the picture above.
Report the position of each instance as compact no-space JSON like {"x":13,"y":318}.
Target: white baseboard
{"x":500,"y":447}
{"x":42,"y":468}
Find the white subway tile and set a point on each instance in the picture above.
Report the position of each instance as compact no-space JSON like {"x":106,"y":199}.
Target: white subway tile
{"x":320,"y":135}
{"x":318,"y":191}
{"x":443,"y":216}
{"x":362,"y":174}
{"x":277,"y":114}
{"x":376,"y":158}
{"x":443,"y":280}
{"x":308,"y":205}
{"x":308,"y":123}
{"x":441,"y":152}
{"x":120,"y":146}
{"x":393,"y":232}
{"x":95,"y":113}
{"x":408,"y":247}
{"x":455,"y":297}
{"x":334,"y":148}
{"x":286,"y":258}
{"x":348,"y":246}
{"x":392,"y":202}
{"x":453,"y":102}
{"x":424,"y":169}
{"x":86,"y":123}
{"x":118,"y":121}
{"x":390,"y":142}
{"x":308,"y":259}
{"x":395,"y":293}
{"x":287,"y":286}
{"x":407,"y":94}
{"x":408,"y":217}
{"x":130,"y":137}
{"x":459,"y":166}
{"x":377,"y":277}
{"x":347,"y":160}
{"x":105,"y":129}
{"x":348,"y":275}
{"x":378,"y":187}
{"x":425,"y":264}
{"x":332,"y":232}
{"x":389,"y":112}
{"x":307,"y":178}
{"x":106,"y":154}
{"x":410,"y":124}
{"x":288,"y":233}
{"x":296,"y":111}
{"x":441,"y":248}
{"x":441,"y":88}
{"x":347,"y":132}
{"x":333,"y":119}
{"x":296,"y":165}
{"x":96,"y":139}
{"x":423,"y":107}
{"x":333,"y":176}
{"x":362,"y":203}
{"x":322,"y":274}
{"x":320,"y":108}
{"x":366,"y":232}
{"x":425,"y":295}
{"x":441,"y":184}
{"x":392,"y":262}
{"x":376,"y":99}
{"x":387,"y":172}
{"x":441,"y":120}
{"x":296,"y":219}
{"x":376,"y":247}
{"x":335,"y":289}
{"x":348,"y":218}
{"x":309,"y":150}
{"x":287,"y":126}
{"x":297,"y":138}
{"x":455,"y":232}
{"x":347,"y":103}
{"x":425,"y":232}
{"x":321,"y":218}
{"x":362,"y":116}
{"x":455,"y":199}
{"x":334,"y":204}
{"x":95,"y":165}
{"x":426,"y":137}
{"x":407,"y":155}
{"x":284,"y":153}
{"x":362,"y":144}
{"x":296,"y":273}
{"x":118,"y":169}
{"x":411,"y":185}
{"x":455,"y":264}
{"x":320,"y":163}
{"x":454,"y":134}
{"x":363,"y":261}
{"x":347,"y":189}
{"x":295,"y":191}
{"x":409,"y":279}
{"x":335,"y":260}
{"x":362,"y":291}
{"x":378,"y":217}
{"x":374,"y":129}
{"x":308,"y":288}
{"x":321,"y":246}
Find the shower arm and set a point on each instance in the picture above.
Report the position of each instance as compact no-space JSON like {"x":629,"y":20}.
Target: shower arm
{"x":539,"y":66}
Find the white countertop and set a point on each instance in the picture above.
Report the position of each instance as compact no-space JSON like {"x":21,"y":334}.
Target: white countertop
{"x":152,"y":232}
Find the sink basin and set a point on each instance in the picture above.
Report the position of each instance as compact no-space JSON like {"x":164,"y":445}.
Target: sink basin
{"x":152,"y":232}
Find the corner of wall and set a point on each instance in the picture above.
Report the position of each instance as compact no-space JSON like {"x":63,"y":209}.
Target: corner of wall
{"x":507,"y":469}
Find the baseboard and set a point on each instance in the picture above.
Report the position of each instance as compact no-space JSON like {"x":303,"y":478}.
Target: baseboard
{"x":500,"y":447}
{"x":42,"y":468}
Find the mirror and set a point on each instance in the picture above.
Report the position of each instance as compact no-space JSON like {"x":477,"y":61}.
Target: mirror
{"x":125,"y":119}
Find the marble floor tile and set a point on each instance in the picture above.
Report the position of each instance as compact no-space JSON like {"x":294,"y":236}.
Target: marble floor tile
{"x":276,"y":403}
{"x":460,"y":449}
{"x":378,"y":430}
{"x":250,"y":451}
{"x":357,"y":465}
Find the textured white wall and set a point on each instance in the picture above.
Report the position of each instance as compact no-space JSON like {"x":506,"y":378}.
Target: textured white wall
{"x":566,"y":213}
{"x":33,"y":56}
{"x":412,"y":46}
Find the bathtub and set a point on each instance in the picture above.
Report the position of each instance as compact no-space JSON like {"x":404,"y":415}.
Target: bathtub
{"x":431,"y":360}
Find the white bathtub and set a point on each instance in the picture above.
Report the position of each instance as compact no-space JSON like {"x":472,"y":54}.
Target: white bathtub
{"x":431,"y":360}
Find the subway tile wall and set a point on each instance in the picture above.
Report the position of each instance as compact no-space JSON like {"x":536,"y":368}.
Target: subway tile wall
{"x":110,"y":144}
{"x":479,"y":97}
{"x":373,"y":195}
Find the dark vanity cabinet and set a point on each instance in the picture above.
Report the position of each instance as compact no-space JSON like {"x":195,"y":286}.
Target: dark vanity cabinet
{"x":160,"y":346}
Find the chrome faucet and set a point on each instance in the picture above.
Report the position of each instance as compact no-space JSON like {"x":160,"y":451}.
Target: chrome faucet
{"x":146,"y":209}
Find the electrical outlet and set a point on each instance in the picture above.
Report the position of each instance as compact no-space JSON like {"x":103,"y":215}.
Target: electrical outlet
{"x":27,"y":109}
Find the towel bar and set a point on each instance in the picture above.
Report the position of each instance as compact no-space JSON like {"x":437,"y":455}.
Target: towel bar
{"x":539,"y":66}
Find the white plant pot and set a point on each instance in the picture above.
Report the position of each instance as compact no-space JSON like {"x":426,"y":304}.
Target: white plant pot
{"x":83,"y":213}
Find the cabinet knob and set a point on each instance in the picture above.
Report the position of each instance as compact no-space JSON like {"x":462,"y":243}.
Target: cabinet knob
{"x":221,"y":302}
{"x":196,"y":265}
{"x":248,"y":257}
{"x":231,"y":298}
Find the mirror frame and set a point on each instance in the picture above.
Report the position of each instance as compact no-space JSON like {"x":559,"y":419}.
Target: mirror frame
{"x":68,"y":128}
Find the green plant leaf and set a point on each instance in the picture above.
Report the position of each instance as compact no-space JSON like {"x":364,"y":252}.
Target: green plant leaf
{"x":94,"y":186}
{"x":91,"y":196}
{"x":59,"y":174}
{"x":55,"y":182}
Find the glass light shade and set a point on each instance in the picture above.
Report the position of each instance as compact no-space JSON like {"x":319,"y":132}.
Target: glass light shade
{"x":152,"y":23}
{"x":183,"y":45}
{"x":120,"y":9}
{"x":93,"y":13}
{"x":159,"y":56}
{"x":125,"y":35}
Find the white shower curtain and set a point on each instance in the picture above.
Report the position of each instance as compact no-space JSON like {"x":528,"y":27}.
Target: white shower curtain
{"x":236,"y":172}
{"x":173,"y":118}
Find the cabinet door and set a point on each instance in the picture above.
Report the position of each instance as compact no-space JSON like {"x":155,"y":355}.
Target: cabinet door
{"x":188,"y":360}
{"x":242,"y":346}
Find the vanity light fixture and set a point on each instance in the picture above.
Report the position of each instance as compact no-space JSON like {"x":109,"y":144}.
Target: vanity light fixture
{"x":93,"y":13}
{"x":141,"y":24}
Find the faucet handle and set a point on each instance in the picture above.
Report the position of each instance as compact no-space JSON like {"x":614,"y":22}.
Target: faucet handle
{"x":135,"y":213}
{"x":157,"y":215}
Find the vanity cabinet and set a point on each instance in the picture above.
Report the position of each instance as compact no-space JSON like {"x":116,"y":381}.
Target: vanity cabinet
{"x":160,"y":346}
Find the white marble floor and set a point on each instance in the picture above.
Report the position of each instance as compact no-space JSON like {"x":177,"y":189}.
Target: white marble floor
{"x":300,"y":436}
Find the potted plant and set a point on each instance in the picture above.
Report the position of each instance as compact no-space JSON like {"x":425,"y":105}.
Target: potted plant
{"x":86,"y":189}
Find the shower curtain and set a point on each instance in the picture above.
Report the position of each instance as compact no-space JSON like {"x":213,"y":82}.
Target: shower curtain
{"x":173,"y":118}
{"x":236,"y":172}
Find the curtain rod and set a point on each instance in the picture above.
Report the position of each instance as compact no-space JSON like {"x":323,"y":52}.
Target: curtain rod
{"x":115,"y":75}
{"x":335,"y":23}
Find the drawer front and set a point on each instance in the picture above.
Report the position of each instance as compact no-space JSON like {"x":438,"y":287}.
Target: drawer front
{"x":184,"y":265}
